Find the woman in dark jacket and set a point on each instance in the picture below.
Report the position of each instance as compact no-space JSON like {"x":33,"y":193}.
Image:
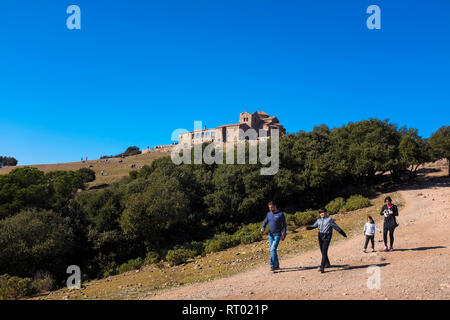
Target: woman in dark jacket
{"x":389,"y":211}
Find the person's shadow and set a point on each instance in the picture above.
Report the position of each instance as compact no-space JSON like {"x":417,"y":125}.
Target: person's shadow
{"x":332,"y":268}
{"x":421,"y":248}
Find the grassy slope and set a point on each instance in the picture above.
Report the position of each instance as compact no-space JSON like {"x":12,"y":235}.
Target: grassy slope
{"x":113,"y":169}
{"x":149,"y":280}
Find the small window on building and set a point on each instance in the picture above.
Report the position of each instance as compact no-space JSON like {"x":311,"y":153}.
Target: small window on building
{"x":213,"y":134}
{"x":207,"y":134}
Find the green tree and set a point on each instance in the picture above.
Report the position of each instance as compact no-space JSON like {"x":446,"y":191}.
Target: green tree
{"x":88,"y":175}
{"x":23,"y":188}
{"x":440,"y":144}
{"x":8,"y":161}
{"x":413,"y":151}
{"x":35,"y":240}
{"x":367,"y":148}
{"x":147,"y":215}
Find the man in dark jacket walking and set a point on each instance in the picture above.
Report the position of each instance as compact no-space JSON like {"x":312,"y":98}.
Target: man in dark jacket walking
{"x":277,"y":231}
{"x":326,"y":225}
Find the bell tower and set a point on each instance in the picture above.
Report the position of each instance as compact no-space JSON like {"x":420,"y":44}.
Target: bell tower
{"x":246,"y":118}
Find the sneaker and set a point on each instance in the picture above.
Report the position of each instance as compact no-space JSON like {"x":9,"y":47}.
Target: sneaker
{"x":373,"y":250}
{"x":385,"y":249}
{"x":322,"y":271}
{"x":276,"y":268}
{"x":364,"y":250}
{"x":391,"y":249}
{"x":272,"y":269}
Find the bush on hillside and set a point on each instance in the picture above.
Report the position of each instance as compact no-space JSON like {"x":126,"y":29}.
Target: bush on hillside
{"x":131,"y":151}
{"x":132,"y":264}
{"x":152,"y":257}
{"x":14,"y":287}
{"x":356,"y":202}
{"x":35,"y":240}
{"x":88,"y":175}
{"x":133,"y":174}
{"x":248,"y":233}
{"x":219,"y":242}
{"x":306,"y":217}
{"x":43,"y":281}
{"x":335,"y":205}
{"x":8,"y":161}
{"x":194,"y":248}
{"x":177,"y":256}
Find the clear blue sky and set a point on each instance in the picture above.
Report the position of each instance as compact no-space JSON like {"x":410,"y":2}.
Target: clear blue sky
{"x":137,"y":70}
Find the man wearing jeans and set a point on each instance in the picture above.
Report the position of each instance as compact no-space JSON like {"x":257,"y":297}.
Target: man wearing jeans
{"x":277,"y":232}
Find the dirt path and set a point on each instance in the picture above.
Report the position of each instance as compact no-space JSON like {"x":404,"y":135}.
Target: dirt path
{"x":418,"y":269}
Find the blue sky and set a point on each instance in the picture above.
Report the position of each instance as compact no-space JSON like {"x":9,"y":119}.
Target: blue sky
{"x":137,"y":70}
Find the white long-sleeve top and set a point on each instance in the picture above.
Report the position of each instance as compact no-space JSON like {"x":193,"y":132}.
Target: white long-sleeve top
{"x":369,"y":228}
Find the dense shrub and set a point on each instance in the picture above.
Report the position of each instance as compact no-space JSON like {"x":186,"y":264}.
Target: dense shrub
{"x":42,"y":281}
{"x":133,"y":174}
{"x":248,"y":233}
{"x":29,"y":187}
{"x":177,"y":256}
{"x":12,"y":287}
{"x":88,"y":175}
{"x":219,"y":242}
{"x":132,"y":264}
{"x":8,"y":161}
{"x":356,"y":202}
{"x":152,"y":257}
{"x":440,"y":145}
{"x":131,"y":151}
{"x":109,"y":270}
{"x":148,"y":214}
{"x":35,"y":240}
{"x":306,"y":217}
{"x":195,"y":248}
{"x":335,"y":205}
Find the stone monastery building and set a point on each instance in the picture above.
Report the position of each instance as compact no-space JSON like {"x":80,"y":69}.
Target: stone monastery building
{"x":230,"y":133}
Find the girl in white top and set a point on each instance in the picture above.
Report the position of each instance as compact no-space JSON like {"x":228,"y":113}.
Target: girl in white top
{"x":369,"y":231}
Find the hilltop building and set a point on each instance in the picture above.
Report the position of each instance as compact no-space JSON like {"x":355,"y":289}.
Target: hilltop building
{"x":260,"y":121}
{"x":227,"y":134}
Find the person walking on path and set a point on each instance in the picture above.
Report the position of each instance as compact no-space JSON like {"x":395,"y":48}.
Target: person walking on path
{"x":369,"y":231}
{"x":326,"y":225}
{"x":389,"y":211}
{"x":277,"y":231}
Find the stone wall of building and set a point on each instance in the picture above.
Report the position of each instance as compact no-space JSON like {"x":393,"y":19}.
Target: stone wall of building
{"x":230,"y":133}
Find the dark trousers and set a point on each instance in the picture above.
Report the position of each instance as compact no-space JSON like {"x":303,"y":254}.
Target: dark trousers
{"x":391,"y":236}
{"x":371,"y":239}
{"x":324,"y":243}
